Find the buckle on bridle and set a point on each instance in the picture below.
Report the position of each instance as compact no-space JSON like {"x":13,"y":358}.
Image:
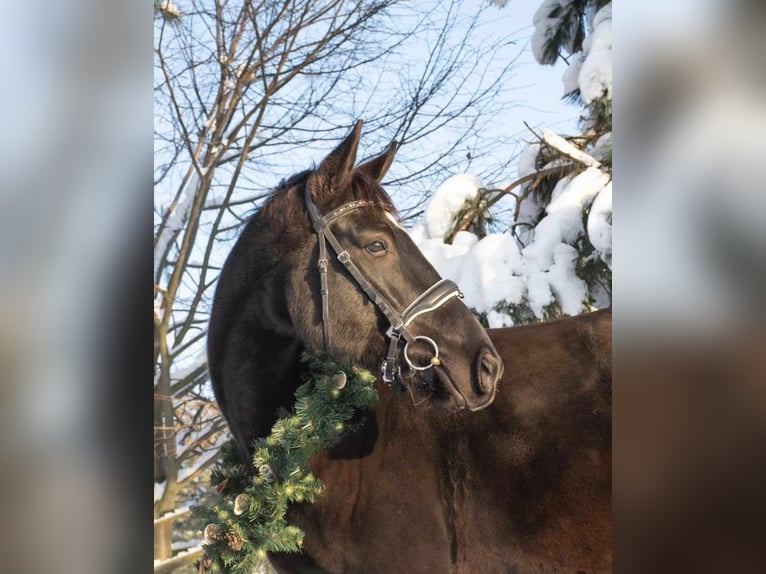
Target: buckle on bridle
{"x":394,"y":331}
{"x":390,"y":370}
{"x":344,"y":257}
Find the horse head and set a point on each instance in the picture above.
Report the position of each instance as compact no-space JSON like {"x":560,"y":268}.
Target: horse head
{"x":359,"y":288}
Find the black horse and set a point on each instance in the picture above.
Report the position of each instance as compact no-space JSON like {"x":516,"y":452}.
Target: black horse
{"x":463,"y":479}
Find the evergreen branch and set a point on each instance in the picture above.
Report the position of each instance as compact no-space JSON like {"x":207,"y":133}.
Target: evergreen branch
{"x":252,"y":518}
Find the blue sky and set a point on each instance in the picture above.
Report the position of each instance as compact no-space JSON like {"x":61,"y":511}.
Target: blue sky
{"x":539,"y":87}
{"x":534,"y":90}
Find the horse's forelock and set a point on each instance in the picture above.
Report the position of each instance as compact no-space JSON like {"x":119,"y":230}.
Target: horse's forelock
{"x":288,"y":198}
{"x":366,"y":188}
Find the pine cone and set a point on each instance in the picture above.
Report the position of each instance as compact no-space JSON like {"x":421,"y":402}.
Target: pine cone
{"x":339,"y":380}
{"x":265,"y":472}
{"x":212,"y":533}
{"x":241,"y":504}
{"x":234,"y":542}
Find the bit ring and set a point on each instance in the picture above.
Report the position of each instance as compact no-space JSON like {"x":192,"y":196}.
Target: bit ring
{"x":434,"y":359}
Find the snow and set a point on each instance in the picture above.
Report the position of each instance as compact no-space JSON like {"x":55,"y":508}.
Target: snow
{"x":447,"y":201}
{"x":549,"y":259}
{"x":188,"y":551}
{"x":569,"y":289}
{"x":538,"y":292}
{"x":173,"y":514}
{"x":578,"y":191}
{"x":563,"y":221}
{"x":490,"y":273}
{"x":595,"y":74}
{"x":529,"y":212}
{"x":181,"y":374}
{"x":568,"y":149}
{"x":571,"y":76}
{"x":602,"y":16}
{"x":465,"y":238}
{"x":499,"y":269}
{"x":528,"y":160}
{"x":176,"y":220}
{"x":447,"y":259}
{"x":599,"y":224}
{"x":201,"y":461}
{"x":602,"y":149}
{"x":159,"y":490}
{"x":168,"y":8}
{"x":590,"y":70}
{"x":545,"y":26}
{"x":418,"y":232}
{"x":498,"y":320}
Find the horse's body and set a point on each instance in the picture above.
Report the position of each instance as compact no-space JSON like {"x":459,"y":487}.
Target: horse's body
{"x":520,"y":485}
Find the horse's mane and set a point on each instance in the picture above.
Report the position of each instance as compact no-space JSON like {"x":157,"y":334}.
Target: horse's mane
{"x":280,"y":199}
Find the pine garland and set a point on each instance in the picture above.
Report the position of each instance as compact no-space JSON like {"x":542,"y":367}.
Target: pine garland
{"x":251,"y":519}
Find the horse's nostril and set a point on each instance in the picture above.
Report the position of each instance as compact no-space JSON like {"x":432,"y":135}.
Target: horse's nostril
{"x":488,"y":371}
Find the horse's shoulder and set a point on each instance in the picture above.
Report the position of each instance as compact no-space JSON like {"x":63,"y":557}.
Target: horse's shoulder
{"x":587,"y":337}
{"x":552,"y":363}
{"x":595,"y":329}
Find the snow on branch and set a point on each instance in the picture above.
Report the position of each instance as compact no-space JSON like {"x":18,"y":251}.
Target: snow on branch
{"x":175,"y":218}
{"x":173,"y":515}
{"x":180,"y":559}
{"x":199,"y":466}
{"x":565,"y":148}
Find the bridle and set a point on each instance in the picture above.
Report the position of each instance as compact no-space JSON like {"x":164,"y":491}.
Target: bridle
{"x":430,"y":300}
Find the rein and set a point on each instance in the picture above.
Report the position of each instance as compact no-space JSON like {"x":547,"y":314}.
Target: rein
{"x":430,"y":300}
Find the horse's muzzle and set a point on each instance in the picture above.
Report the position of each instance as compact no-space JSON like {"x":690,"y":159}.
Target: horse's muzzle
{"x":489,"y":369}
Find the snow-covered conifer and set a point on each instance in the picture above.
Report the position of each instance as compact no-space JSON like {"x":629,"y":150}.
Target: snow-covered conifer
{"x":555,"y":256}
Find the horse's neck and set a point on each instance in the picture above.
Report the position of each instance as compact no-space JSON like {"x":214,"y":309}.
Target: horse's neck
{"x":395,"y":429}
{"x":262,"y":366}
{"x":393,"y":475}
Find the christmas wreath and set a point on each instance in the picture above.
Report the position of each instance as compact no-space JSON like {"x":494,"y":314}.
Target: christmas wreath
{"x":251,"y":520}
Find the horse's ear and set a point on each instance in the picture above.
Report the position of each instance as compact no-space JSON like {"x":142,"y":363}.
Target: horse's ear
{"x":336,"y":169}
{"x":377,"y":167}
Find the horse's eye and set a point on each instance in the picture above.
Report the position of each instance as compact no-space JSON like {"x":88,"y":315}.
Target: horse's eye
{"x":376,"y":248}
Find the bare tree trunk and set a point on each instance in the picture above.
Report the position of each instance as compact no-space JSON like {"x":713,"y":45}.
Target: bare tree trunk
{"x":163,"y":540}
